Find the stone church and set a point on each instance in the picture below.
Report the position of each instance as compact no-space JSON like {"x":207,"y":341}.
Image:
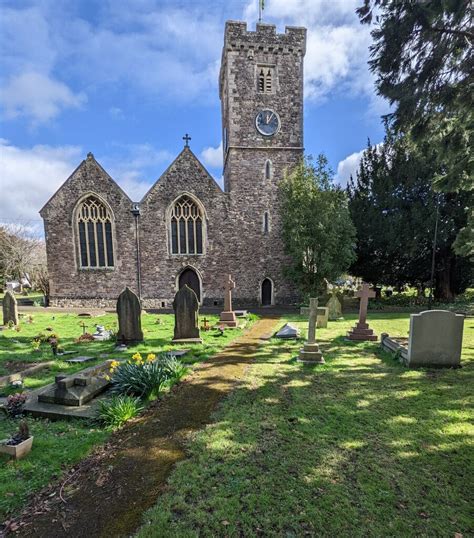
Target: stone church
{"x":186,"y":229}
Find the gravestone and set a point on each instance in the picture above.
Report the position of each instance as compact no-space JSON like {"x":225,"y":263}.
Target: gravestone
{"x":10,"y":308}
{"x":334,"y":306}
{"x":322,"y":318}
{"x":435,"y":339}
{"x":186,"y":311}
{"x":101,"y":334}
{"x":310,"y":352}
{"x":287,"y":332}
{"x":227,"y":316}
{"x":129,"y":317}
{"x":77,"y":395}
{"x":362,"y":331}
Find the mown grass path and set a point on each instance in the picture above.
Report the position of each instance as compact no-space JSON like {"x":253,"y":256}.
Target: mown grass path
{"x":108,"y":495}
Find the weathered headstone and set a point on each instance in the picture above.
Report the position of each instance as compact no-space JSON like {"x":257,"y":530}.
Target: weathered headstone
{"x":10,"y":308}
{"x":435,"y":339}
{"x":334,"y":306}
{"x":310,"y":351}
{"x":129,"y":317}
{"x":362,"y":331}
{"x":186,"y":310}
{"x":227,"y":316}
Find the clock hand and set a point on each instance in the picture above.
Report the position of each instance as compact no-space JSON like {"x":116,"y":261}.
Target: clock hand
{"x":271,"y":116}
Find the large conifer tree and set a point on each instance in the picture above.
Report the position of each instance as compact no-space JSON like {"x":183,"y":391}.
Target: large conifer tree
{"x":394,"y":209}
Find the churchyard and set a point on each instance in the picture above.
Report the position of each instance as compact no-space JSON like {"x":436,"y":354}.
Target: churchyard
{"x":58,"y":444}
{"x":357,"y":441}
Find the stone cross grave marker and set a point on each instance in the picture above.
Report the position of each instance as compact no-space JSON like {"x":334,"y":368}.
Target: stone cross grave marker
{"x":10,"y":308}
{"x":227,"y":316}
{"x":362,"y":331}
{"x":129,"y":317}
{"x":310,"y":351}
{"x":186,"y":321}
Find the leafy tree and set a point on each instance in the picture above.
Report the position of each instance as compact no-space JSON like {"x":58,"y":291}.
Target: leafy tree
{"x":22,"y":255}
{"x":422,"y":56}
{"x":318,"y":234}
{"x":395,"y":209}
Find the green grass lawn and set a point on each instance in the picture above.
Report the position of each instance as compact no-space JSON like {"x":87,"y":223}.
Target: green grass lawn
{"x":16,"y":350}
{"x":57,"y":445}
{"x":360,"y":446}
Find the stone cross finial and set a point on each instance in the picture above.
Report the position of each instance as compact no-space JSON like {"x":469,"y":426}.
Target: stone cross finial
{"x":229,"y":285}
{"x":364,"y":294}
{"x":186,"y":139}
{"x":313,"y":318}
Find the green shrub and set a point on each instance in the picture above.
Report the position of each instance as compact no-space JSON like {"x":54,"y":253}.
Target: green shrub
{"x":118,"y":410}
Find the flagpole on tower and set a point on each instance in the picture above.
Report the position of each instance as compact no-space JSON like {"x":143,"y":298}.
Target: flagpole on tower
{"x":261,"y":7}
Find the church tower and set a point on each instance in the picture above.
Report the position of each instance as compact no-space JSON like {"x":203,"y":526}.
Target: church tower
{"x":261,"y":92}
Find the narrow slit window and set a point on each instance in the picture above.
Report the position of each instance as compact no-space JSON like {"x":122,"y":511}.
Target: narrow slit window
{"x":94,"y":228}
{"x":268,"y":169}
{"x":266,"y":223}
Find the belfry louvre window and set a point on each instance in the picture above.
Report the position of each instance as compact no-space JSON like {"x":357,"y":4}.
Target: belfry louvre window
{"x":265,"y":79}
{"x":186,"y":227}
{"x":94,"y":224}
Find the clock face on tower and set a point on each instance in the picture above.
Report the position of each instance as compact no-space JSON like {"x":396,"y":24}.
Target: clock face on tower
{"x":267,"y":122}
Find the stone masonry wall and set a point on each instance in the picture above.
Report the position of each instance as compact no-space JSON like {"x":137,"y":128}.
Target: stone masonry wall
{"x":235,"y":241}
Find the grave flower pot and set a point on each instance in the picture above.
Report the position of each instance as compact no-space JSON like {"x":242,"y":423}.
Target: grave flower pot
{"x":17,"y":451}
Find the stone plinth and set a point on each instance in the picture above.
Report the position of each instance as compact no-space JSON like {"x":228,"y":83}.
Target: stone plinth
{"x":310,"y":353}
{"x":362,"y":332}
{"x":228,"y":319}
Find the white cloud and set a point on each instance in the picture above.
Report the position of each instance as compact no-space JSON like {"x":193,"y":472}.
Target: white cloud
{"x":28,"y":178}
{"x":38,"y":97}
{"x":348,"y":167}
{"x":337,"y":44}
{"x":212,"y":157}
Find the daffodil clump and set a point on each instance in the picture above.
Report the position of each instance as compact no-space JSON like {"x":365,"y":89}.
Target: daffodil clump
{"x":146,"y":376}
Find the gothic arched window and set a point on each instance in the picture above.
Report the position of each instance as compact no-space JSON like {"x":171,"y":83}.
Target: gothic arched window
{"x":94,"y":226}
{"x":186,"y":227}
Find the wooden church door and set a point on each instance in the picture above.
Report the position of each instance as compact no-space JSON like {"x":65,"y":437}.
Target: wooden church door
{"x":189,"y":277}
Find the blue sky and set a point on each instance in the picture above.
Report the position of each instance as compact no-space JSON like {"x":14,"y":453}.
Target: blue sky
{"x":126,"y":79}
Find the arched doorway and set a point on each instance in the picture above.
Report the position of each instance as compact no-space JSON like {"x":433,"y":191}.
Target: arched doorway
{"x":190,"y":278}
{"x":267,"y":292}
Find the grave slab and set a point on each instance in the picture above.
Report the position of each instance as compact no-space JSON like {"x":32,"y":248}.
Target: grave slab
{"x":287,"y":332}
